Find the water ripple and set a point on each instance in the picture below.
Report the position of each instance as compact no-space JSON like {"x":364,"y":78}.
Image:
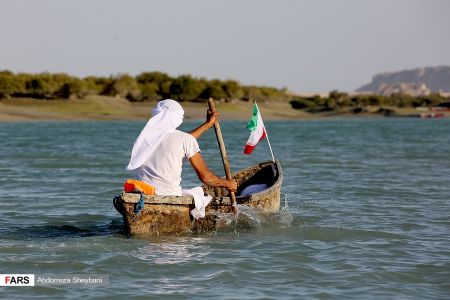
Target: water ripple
{"x":367,"y":214}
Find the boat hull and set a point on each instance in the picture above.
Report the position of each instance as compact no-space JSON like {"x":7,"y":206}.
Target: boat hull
{"x":170,"y":215}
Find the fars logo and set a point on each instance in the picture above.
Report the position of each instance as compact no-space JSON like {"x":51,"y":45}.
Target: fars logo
{"x":16,"y":279}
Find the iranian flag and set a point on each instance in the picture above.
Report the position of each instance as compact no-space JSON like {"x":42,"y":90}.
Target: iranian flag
{"x":257,"y":130}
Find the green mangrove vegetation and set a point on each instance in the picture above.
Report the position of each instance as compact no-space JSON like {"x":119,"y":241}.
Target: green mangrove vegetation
{"x":336,"y":100}
{"x":151,"y":86}
{"x":147,"y":86}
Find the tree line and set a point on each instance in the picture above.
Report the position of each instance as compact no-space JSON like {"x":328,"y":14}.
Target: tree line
{"x":147,"y":86}
{"x":152,"y":86}
{"x":336,"y":100}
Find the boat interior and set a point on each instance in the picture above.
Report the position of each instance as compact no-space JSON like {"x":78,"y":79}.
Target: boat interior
{"x":264,"y":175}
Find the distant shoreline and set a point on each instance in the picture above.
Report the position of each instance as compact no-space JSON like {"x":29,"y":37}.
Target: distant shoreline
{"x":111,"y":108}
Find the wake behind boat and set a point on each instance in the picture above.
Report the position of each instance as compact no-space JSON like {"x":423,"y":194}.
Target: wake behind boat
{"x":167,"y":215}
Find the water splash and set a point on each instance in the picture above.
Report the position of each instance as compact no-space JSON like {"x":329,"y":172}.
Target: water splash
{"x":249,"y":218}
{"x":282,"y":218}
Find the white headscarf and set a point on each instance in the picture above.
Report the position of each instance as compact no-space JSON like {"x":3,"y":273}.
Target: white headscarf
{"x":167,"y":116}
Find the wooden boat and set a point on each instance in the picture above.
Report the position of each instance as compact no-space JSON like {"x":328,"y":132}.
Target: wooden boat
{"x":167,"y":215}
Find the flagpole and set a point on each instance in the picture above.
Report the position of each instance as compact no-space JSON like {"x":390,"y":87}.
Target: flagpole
{"x":267,"y":134}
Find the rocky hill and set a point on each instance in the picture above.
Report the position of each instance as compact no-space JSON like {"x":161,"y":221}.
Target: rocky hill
{"x":421,"y":81}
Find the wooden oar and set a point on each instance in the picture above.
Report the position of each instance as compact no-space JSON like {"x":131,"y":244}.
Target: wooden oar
{"x":223,"y":152}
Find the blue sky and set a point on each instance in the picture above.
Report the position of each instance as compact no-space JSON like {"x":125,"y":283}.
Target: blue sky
{"x":304,"y":45}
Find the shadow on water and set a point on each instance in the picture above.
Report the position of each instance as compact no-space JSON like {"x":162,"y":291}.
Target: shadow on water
{"x":74,"y":230}
{"x":247,"y":219}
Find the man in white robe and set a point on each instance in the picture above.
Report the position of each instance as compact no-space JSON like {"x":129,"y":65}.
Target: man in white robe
{"x":158,"y":152}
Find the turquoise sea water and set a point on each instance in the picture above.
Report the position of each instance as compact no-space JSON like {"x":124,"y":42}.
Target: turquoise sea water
{"x":370,"y":200}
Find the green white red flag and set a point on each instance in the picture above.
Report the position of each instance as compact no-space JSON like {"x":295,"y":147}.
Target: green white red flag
{"x":257,"y":130}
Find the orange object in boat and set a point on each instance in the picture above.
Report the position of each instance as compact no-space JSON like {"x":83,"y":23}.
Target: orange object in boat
{"x":132,"y":185}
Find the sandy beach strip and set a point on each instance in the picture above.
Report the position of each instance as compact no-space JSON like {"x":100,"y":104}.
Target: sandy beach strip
{"x":110,"y":108}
